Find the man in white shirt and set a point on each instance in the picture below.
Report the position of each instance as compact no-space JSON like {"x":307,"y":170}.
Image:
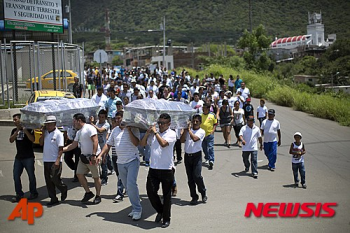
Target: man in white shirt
{"x":244,"y":91}
{"x":87,"y":138}
{"x":100,"y":98}
{"x":271,"y":129}
{"x":161,"y":166}
{"x":53,"y":142}
{"x":126,"y":140}
{"x":151,"y":95}
{"x":152,"y":87}
{"x":194,"y":88}
{"x":249,"y":136}
{"x":193,"y":137}
{"x":197,"y":104}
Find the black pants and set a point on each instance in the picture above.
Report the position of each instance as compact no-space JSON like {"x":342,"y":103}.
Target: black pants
{"x":154,"y":178}
{"x":193,"y":164}
{"x":68,"y":158}
{"x":177,"y":148}
{"x":53,"y":180}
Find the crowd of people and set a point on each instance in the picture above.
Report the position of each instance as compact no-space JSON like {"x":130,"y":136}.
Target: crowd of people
{"x":107,"y":143}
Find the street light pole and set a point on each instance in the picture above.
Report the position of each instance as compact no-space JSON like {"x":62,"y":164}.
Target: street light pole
{"x":164,"y":42}
{"x":70,"y":39}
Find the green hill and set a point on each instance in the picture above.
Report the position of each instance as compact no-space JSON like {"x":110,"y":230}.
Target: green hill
{"x":202,"y":21}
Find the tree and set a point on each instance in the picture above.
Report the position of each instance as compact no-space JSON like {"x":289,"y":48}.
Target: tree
{"x":255,"y":44}
{"x":117,"y":61}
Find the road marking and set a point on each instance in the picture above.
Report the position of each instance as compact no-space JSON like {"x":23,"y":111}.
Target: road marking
{"x":39,"y":163}
{"x":1,"y":175}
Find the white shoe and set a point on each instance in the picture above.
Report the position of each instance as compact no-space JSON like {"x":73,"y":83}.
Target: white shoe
{"x":136,"y":216}
{"x":131,"y":215}
{"x":118,"y":198}
{"x":206,"y":162}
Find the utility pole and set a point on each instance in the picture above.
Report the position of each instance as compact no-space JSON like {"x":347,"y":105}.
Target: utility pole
{"x":69,"y":11}
{"x":164,"y":42}
{"x":250,"y":17}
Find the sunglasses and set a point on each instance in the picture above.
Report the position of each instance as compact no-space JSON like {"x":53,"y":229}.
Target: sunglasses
{"x":162,"y":123}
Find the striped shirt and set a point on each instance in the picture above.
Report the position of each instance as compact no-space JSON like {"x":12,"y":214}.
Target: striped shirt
{"x":124,"y":148}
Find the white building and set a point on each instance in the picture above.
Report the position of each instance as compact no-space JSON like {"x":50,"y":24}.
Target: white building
{"x":314,"y":36}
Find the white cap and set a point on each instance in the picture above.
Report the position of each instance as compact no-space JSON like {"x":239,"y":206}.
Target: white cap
{"x":298,"y":134}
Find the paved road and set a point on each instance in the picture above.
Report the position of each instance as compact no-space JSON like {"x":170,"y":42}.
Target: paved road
{"x":229,"y":189}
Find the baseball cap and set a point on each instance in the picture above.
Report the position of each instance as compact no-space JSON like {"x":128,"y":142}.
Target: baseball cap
{"x":50,"y":119}
{"x":298,"y":134}
{"x":271,"y":112}
{"x":248,"y":99}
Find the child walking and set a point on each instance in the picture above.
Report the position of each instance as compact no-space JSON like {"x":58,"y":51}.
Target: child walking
{"x":297,"y":149}
{"x":261,"y":112}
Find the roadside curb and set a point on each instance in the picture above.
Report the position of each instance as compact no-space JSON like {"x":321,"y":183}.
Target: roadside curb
{"x":6,"y":123}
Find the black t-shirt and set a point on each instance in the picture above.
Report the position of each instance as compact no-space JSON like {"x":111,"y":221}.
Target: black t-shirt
{"x":77,"y":90}
{"x":248,"y":110}
{"x":24,"y":145}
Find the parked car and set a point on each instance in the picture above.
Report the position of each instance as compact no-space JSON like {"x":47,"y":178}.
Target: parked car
{"x":37,"y":96}
{"x":47,"y":80}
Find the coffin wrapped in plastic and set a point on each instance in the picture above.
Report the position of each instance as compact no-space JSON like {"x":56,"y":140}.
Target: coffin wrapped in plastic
{"x":34,"y":114}
{"x":143,"y":113}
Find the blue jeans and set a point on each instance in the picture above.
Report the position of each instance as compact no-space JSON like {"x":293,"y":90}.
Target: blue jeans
{"x":128,"y":174}
{"x":120,"y":186}
{"x":145,"y":151}
{"x":18,"y":166}
{"x":208,"y":147}
{"x":105,"y":166}
{"x":301,"y":168}
{"x":270,"y":149}
{"x":253,"y":159}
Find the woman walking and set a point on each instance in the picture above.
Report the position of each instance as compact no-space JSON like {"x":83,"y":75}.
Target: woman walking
{"x":225,"y":115}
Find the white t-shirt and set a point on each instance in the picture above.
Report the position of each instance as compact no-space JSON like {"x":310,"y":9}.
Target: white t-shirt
{"x":197,"y":105}
{"x":250,"y":136}
{"x":191,"y":146}
{"x":162,"y":157}
{"x":125,"y":150}
{"x":154,"y":97}
{"x":231,"y":83}
{"x":193,"y":90}
{"x":231,"y":102}
{"x":100,"y":100}
{"x":83,"y":137}
{"x":238,"y":116}
{"x":154,"y":88}
{"x":244,"y":92}
{"x":270,"y":129}
{"x":261,"y":111}
{"x":52,"y":142}
{"x":103,"y":136}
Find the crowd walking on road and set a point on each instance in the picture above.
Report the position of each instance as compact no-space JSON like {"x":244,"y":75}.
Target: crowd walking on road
{"x":106,"y":145}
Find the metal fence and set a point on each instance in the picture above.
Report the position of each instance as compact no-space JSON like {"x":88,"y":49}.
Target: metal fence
{"x":23,"y":65}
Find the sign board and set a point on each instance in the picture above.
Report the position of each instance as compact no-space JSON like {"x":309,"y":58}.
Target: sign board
{"x":34,"y":15}
{"x":100,"y":56}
